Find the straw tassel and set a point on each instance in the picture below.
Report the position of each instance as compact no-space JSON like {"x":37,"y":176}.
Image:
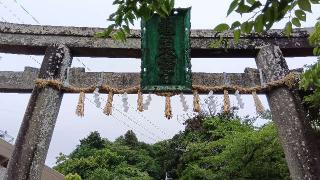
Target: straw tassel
{"x":258,"y":103}
{"x":80,"y":106}
{"x":226,"y":101}
{"x":196,"y":101}
{"x":168,"y":111}
{"x":140,"y":101}
{"x":108,"y":108}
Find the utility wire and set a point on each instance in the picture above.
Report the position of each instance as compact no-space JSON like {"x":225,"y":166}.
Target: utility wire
{"x":35,"y":20}
{"x":2,"y":19}
{"x":87,"y":68}
{"x":26,"y":11}
{"x":11,"y":12}
{"x":132,"y":120}
{"x":150,"y":122}
{"x":19,"y":20}
{"x":123,"y":122}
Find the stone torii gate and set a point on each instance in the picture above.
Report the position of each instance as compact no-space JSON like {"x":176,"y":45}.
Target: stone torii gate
{"x":60,"y":44}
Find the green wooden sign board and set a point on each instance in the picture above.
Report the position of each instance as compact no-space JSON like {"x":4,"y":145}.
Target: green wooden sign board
{"x":165,"y":45}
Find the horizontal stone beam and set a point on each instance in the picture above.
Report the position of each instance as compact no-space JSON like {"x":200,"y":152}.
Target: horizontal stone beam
{"x":23,"y":82}
{"x":34,"y":39}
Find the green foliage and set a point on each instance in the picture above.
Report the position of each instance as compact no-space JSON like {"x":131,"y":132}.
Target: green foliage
{"x":310,"y":80}
{"x":239,"y":152}
{"x":264,"y":15}
{"x":73,"y":177}
{"x":130,"y":10}
{"x":95,"y":158}
{"x":224,"y":146}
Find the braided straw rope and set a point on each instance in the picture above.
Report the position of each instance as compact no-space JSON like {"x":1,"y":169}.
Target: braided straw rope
{"x":289,"y":81}
{"x":42,"y":83}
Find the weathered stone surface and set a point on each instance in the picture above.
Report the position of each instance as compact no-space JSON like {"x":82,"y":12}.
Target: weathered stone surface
{"x":32,"y":39}
{"x":2,"y":172}
{"x":23,"y":82}
{"x":298,"y":138}
{"x":32,"y":143}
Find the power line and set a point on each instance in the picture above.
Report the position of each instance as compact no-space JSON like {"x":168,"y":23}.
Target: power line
{"x":150,"y":122}
{"x":3,"y":19}
{"x":123,"y":122}
{"x":38,"y":22}
{"x":11,"y":12}
{"x":134,"y":121}
{"x":26,"y":11}
{"x":86,"y":67}
{"x":35,"y":20}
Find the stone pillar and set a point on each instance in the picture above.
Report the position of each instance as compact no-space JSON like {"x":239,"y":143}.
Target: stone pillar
{"x":295,"y":132}
{"x":37,"y":127}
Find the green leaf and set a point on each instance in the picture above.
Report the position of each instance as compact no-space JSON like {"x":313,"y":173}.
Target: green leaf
{"x":305,"y":5}
{"x":235,"y":25}
{"x":256,"y":5}
{"x":315,"y":1}
{"x":251,"y":1}
{"x":236,"y":35}
{"x":164,"y":9}
{"x":296,"y":22}
{"x":300,"y":14}
{"x":221,"y":27}
{"x":172,"y":4}
{"x":288,"y":29}
{"x":246,"y":27}
{"x":258,"y":24}
{"x":316,"y":51}
{"x":242,"y":8}
{"x":232,"y":6}
{"x":126,"y":29}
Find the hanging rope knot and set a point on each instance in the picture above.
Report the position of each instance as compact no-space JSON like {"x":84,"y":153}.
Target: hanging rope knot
{"x":140,"y":101}
{"x":108,"y":108}
{"x":226,"y":101}
{"x":196,"y":101}
{"x":258,"y":103}
{"x":168,"y":110}
{"x":80,"y":106}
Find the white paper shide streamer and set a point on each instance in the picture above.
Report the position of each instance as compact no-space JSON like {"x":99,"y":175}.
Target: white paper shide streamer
{"x":239,"y":99}
{"x":146,"y":104}
{"x":96,"y":96}
{"x":125,"y":103}
{"x":210,"y":101}
{"x":184,"y":102}
{"x":66,"y":81}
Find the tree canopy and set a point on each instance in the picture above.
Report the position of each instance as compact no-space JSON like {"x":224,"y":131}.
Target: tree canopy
{"x":218,"y":147}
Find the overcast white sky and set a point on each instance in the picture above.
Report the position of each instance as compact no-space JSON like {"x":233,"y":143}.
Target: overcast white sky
{"x":70,"y":128}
